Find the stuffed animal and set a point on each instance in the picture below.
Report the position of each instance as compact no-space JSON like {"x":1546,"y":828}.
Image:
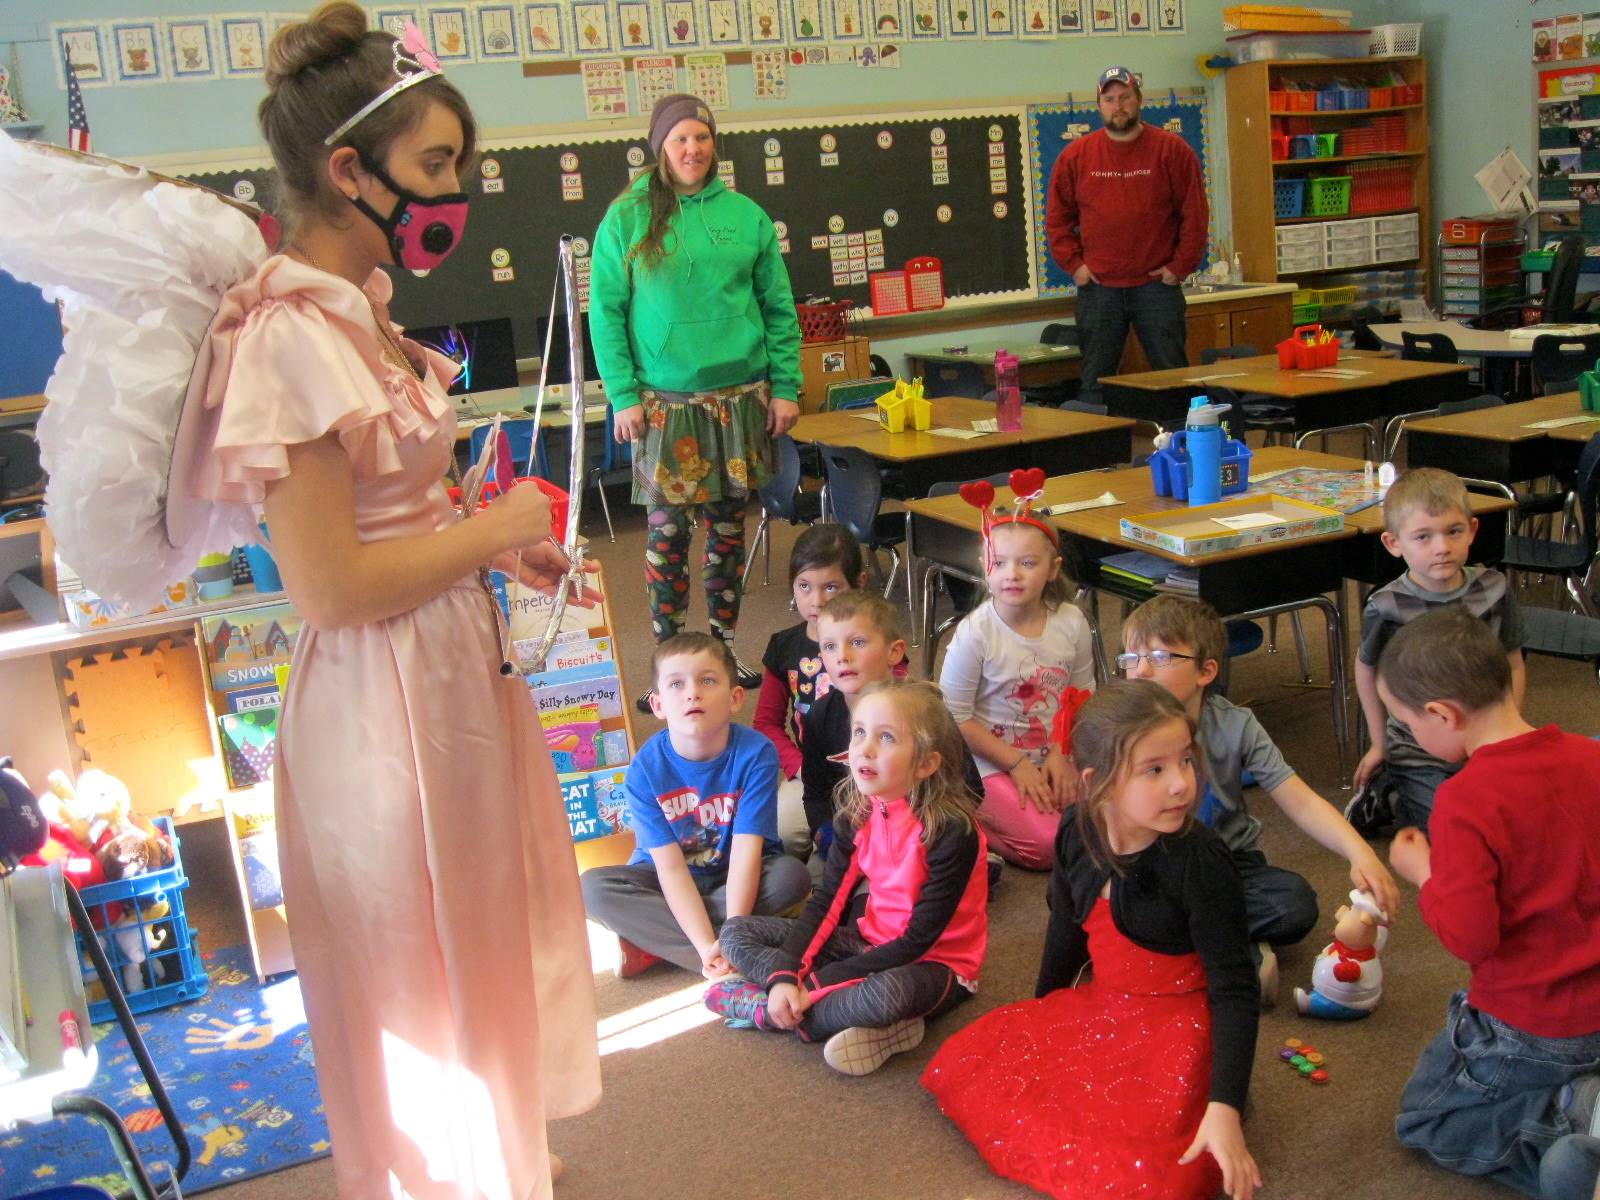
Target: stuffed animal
{"x":1347,"y":978}
{"x":99,"y":812}
{"x":130,"y":943}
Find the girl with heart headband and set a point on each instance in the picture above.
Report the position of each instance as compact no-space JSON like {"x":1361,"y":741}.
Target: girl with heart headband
{"x":826,"y":562}
{"x":1009,"y":664}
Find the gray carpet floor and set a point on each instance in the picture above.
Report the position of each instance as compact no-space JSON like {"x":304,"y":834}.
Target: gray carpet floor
{"x":692,"y":1110}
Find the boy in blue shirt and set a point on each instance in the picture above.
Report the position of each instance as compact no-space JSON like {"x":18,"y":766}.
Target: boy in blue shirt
{"x":702,"y":802}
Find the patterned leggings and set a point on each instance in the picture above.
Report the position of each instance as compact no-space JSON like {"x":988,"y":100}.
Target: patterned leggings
{"x":919,"y":989}
{"x":666,"y":564}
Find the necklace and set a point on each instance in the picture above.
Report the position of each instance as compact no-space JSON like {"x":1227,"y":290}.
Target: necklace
{"x":389,"y":348}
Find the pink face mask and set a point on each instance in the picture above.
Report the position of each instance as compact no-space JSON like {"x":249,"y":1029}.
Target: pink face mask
{"x":422,"y":230}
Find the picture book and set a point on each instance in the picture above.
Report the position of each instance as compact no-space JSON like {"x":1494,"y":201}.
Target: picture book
{"x":596,"y":803}
{"x":598,"y":685}
{"x":247,"y":698}
{"x":249,"y":744}
{"x":244,"y":649}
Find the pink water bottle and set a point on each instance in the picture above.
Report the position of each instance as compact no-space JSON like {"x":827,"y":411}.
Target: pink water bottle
{"x":1007,"y":395}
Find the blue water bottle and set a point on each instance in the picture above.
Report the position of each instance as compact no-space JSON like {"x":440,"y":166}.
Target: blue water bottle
{"x":1204,"y":440}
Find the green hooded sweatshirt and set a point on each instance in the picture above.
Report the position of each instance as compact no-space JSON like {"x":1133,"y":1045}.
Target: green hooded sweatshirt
{"x":716,"y":311}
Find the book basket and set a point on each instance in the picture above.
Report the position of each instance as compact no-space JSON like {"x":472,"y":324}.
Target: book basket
{"x":823,"y":322}
{"x":156,"y":957}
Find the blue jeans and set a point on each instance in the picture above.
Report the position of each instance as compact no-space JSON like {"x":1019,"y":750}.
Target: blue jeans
{"x":1415,"y":785}
{"x":1155,"y":310}
{"x":1571,"y":1170}
{"x":1485,"y":1097}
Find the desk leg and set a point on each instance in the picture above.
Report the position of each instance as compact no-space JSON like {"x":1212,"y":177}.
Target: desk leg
{"x":1333,"y":611}
{"x":919,"y":625}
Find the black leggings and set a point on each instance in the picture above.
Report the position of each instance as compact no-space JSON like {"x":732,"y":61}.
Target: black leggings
{"x":919,"y":989}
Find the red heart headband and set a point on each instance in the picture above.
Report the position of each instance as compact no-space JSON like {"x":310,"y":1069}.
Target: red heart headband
{"x":1027,"y":485}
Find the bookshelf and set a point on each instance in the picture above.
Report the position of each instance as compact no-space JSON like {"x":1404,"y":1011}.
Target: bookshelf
{"x":1257,"y":108}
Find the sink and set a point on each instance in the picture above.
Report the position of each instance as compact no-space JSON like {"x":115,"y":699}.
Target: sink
{"x":1205,"y":289}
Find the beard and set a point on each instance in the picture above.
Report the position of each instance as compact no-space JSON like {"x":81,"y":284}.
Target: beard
{"x":1122,"y":122}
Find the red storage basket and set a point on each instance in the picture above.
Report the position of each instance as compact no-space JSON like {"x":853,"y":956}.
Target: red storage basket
{"x":1380,"y":97}
{"x":824,"y":322}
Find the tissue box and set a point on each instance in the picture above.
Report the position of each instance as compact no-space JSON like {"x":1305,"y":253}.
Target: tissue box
{"x":86,"y":610}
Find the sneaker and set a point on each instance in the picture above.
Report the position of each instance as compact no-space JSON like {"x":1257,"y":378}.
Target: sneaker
{"x":997,"y":866}
{"x":740,"y":1003}
{"x":631,"y":960}
{"x":1371,"y":811}
{"x":861,"y":1049}
{"x":1267,"y":974}
{"x":1578,"y":1101}
{"x":748,"y":677}
{"x":643,"y":702}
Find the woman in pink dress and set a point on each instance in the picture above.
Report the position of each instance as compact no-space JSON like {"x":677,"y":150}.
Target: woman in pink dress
{"x":427,"y":867}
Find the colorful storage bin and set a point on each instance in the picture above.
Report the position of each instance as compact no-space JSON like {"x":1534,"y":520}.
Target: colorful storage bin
{"x":1288,"y":198}
{"x":1328,"y":196}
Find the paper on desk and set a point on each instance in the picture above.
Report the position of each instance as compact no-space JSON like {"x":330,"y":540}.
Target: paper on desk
{"x":867,"y":416}
{"x":1248,"y":520}
{"x":1562,"y":422}
{"x":1335,"y":373}
{"x":963,"y":434}
{"x":1103,"y":500}
{"x":1263,"y":476}
{"x":987,"y":425}
{"x":1210,"y":378}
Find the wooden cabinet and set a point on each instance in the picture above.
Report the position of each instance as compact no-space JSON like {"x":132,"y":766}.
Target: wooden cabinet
{"x":1259,"y":321}
{"x":1383,"y":148}
{"x":822,"y":363}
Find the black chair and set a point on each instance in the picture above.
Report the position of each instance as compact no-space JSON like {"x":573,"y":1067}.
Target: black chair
{"x":1428,"y":347}
{"x":781,"y":499}
{"x":958,"y":379}
{"x":880,"y":366}
{"x":1559,"y":301}
{"x":1558,"y":361}
{"x":1570,"y":560}
{"x":1212,"y":354}
{"x":1558,"y":634}
{"x":855,"y":493}
{"x":1059,"y":333}
{"x":964,"y":587}
{"x":1395,"y":427}
{"x":1361,"y":322}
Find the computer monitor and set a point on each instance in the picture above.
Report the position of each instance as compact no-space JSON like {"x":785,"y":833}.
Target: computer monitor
{"x":560,"y":365}
{"x":487,"y":353}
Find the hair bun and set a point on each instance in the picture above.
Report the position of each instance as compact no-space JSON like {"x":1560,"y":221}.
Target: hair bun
{"x":333,"y":31}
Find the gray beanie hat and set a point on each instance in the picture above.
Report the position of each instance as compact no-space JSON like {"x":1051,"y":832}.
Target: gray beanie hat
{"x":669,"y":110}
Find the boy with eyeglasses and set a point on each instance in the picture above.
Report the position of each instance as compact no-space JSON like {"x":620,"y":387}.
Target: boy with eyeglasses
{"x":1180,"y":644}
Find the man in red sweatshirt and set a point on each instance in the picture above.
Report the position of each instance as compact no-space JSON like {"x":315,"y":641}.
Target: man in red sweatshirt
{"x":1127,"y":219}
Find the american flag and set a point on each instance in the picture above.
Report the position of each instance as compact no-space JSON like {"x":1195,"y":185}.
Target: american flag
{"x":77,"y":118}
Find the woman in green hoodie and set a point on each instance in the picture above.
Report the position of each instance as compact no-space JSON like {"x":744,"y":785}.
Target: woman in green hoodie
{"x":697,"y":341}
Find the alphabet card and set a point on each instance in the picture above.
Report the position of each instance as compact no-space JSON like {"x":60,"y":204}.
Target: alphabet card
{"x":496,"y":28}
{"x":636,"y":27}
{"x":764,"y":20}
{"x":242,"y":38}
{"x":137,"y":49}
{"x":450,"y":33}
{"x":190,"y":47}
{"x":591,"y":28}
{"x":546,"y":31}
{"x":681,"y":24}
{"x":83,"y":44}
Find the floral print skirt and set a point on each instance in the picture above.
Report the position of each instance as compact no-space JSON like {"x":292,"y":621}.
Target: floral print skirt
{"x":703,"y":446}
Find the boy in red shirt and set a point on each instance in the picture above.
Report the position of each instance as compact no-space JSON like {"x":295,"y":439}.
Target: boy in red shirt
{"x":1127,"y":218}
{"x":1511,"y":886}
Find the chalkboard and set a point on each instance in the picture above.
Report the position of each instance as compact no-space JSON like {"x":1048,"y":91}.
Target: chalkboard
{"x":1052,"y":126}
{"x":954,"y":185}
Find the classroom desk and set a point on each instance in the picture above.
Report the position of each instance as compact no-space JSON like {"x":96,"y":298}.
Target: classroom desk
{"x":1049,"y":438}
{"x":1391,"y":385}
{"x":1247,"y":583}
{"x":1037,"y":363}
{"x":1474,"y":343}
{"x":1498,"y":443}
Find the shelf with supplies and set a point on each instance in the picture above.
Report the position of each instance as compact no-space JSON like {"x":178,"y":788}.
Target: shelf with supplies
{"x":1567,"y":156}
{"x":1374,"y":160}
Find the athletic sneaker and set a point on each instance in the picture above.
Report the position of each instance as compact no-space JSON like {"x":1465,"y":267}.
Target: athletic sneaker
{"x":748,"y":677}
{"x":862,"y":1049}
{"x":740,"y":1003}
{"x":1266,"y":974}
{"x":997,"y":866}
{"x":1578,"y":1101}
{"x":643,"y":702}
{"x":631,"y":960}
{"x":1371,"y":812}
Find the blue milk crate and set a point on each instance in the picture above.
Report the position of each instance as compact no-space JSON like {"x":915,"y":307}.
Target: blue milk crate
{"x":1288,"y":197}
{"x":171,"y":971}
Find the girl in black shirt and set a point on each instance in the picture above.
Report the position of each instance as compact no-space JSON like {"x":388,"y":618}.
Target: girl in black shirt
{"x":1133,"y":1083}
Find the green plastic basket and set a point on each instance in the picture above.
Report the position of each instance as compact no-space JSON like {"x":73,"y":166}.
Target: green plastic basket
{"x":1328,"y":197}
{"x":1307,"y":314}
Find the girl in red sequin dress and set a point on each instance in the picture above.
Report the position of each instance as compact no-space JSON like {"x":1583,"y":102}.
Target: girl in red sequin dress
{"x":1130,"y":1086}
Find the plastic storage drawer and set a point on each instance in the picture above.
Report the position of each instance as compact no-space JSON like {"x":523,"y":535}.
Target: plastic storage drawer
{"x":1311,"y":235}
{"x":1405,"y":223}
{"x":1299,"y":261}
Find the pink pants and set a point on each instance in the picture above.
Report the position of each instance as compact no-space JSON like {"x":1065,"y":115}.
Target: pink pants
{"x":1018,"y":832}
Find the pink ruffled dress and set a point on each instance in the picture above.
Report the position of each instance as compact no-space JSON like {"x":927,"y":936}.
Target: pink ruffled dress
{"x":432,"y":895}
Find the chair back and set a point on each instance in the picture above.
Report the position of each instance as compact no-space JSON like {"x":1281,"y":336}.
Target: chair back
{"x":1427,"y":347}
{"x":1059,"y":333}
{"x":1087,"y":406}
{"x":879,"y":366}
{"x":1562,"y":359}
{"x":1586,"y":486}
{"x":1469,"y":404}
{"x":855,"y":489}
{"x":1561,"y":287}
{"x":520,"y":433}
{"x":1212,"y":353}
{"x":1360,"y":323}
{"x":958,"y":379}
{"x":963,"y":591}
{"x":780,"y":498}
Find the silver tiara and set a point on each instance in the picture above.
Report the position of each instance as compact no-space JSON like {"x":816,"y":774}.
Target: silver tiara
{"x":414,"y":63}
